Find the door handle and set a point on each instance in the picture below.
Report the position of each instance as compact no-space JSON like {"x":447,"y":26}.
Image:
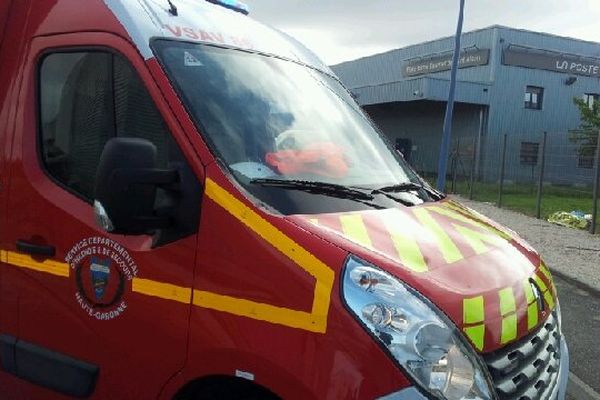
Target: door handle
{"x":36,"y":249}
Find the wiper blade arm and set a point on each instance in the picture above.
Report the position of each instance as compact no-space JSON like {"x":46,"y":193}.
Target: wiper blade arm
{"x":401,"y":187}
{"x":316,"y":187}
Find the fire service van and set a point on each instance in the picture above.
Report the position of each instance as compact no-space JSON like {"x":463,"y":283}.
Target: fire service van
{"x":193,"y":207}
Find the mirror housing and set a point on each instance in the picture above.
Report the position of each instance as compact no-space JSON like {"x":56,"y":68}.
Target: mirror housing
{"x":126,"y":187}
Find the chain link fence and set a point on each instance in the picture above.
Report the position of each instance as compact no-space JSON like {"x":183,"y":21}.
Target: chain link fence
{"x":537,"y":174}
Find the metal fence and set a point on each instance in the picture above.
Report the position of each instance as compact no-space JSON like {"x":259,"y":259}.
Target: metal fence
{"x":536,"y":173}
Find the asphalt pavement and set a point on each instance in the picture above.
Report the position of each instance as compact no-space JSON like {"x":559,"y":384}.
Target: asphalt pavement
{"x":581,"y":327}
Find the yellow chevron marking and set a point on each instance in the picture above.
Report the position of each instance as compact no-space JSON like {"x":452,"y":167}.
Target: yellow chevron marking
{"x":354,"y":228}
{"x":316,"y":319}
{"x":408,"y":250}
{"x":449,"y":251}
{"x":478,"y":240}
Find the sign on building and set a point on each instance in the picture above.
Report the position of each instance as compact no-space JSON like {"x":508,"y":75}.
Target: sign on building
{"x":551,"y":61}
{"x":429,"y":65}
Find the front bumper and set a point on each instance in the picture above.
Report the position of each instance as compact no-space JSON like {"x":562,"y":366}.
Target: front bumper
{"x":558,"y":393}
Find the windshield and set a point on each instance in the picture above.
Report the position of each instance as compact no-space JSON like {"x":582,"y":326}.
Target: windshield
{"x":268,"y":118}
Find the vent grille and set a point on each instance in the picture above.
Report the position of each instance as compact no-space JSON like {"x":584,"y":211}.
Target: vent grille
{"x":528,"y":369}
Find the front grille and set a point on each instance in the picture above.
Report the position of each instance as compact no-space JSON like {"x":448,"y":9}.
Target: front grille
{"x":528,"y":369}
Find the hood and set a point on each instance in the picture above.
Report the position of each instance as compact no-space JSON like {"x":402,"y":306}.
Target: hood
{"x":490,"y":283}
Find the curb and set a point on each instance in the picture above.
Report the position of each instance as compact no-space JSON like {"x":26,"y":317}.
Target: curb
{"x":579,"y":390}
{"x":576,"y":282}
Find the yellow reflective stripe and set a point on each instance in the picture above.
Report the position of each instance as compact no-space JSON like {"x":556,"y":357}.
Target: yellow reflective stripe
{"x":3,"y":256}
{"x":449,"y":250}
{"x":354,"y":227}
{"x":509,"y":328}
{"x":316,"y":320}
{"x":473,"y":310}
{"x":546,"y":272}
{"x":254,"y":310}
{"x":528,"y":291}
{"x":48,"y":266}
{"x":540,"y":283}
{"x":460,"y":217}
{"x":532,"y":305}
{"x":532,"y":315}
{"x":507,"y":301}
{"x":549,"y":299}
{"x":508,"y":311}
{"x":477,"y":239}
{"x":474,"y":313}
{"x":546,"y":293}
{"x":163,"y":290}
{"x":405,"y":244}
{"x":477,"y":335}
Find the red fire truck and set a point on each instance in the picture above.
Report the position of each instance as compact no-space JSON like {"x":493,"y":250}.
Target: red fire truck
{"x":192,"y":206}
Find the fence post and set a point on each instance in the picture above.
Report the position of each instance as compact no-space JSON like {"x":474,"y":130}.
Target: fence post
{"x":538,"y":204}
{"x":502,"y":165}
{"x":472,"y":177}
{"x":455,"y":160}
{"x":596,"y":189}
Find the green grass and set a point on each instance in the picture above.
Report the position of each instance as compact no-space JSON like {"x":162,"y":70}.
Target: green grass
{"x":522,"y":198}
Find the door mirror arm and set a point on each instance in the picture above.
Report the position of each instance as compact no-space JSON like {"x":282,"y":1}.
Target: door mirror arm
{"x":167,"y":179}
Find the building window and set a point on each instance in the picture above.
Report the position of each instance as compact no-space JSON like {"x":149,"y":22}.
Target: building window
{"x":590,"y":99}
{"x":533,"y":97}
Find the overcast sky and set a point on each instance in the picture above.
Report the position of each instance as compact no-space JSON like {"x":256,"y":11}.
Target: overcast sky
{"x":341,"y":30}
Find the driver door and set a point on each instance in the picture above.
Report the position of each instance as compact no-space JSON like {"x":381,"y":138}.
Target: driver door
{"x":99,"y":315}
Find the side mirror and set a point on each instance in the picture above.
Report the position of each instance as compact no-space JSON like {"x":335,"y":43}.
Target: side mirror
{"x":126,"y":186}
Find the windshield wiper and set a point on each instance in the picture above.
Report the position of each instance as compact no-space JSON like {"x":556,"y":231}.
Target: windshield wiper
{"x":325,"y":188}
{"x":399,"y":188}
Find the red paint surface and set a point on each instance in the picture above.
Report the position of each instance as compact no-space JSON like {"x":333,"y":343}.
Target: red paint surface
{"x":157,"y":346}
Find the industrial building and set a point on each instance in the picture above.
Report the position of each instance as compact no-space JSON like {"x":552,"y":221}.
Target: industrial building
{"x":510,"y":82}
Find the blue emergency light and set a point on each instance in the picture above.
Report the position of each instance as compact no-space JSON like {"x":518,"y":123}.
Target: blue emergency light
{"x":232,"y":5}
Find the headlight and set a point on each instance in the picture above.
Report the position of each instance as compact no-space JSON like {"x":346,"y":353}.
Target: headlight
{"x":423,"y":341}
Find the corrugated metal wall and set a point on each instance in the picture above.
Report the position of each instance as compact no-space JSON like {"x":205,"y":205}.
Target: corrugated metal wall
{"x":378,"y":79}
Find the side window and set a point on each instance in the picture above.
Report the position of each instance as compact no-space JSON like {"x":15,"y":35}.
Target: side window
{"x":534,"y":97}
{"x":87,"y":98}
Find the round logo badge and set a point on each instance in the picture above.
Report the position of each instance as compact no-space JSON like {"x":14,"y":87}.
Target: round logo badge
{"x":101,"y":269}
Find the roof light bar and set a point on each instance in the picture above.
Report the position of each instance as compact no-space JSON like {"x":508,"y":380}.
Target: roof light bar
{"x":232,"y":5}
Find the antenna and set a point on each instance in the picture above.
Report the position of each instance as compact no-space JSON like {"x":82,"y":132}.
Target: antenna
{"x":173,"y":9}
